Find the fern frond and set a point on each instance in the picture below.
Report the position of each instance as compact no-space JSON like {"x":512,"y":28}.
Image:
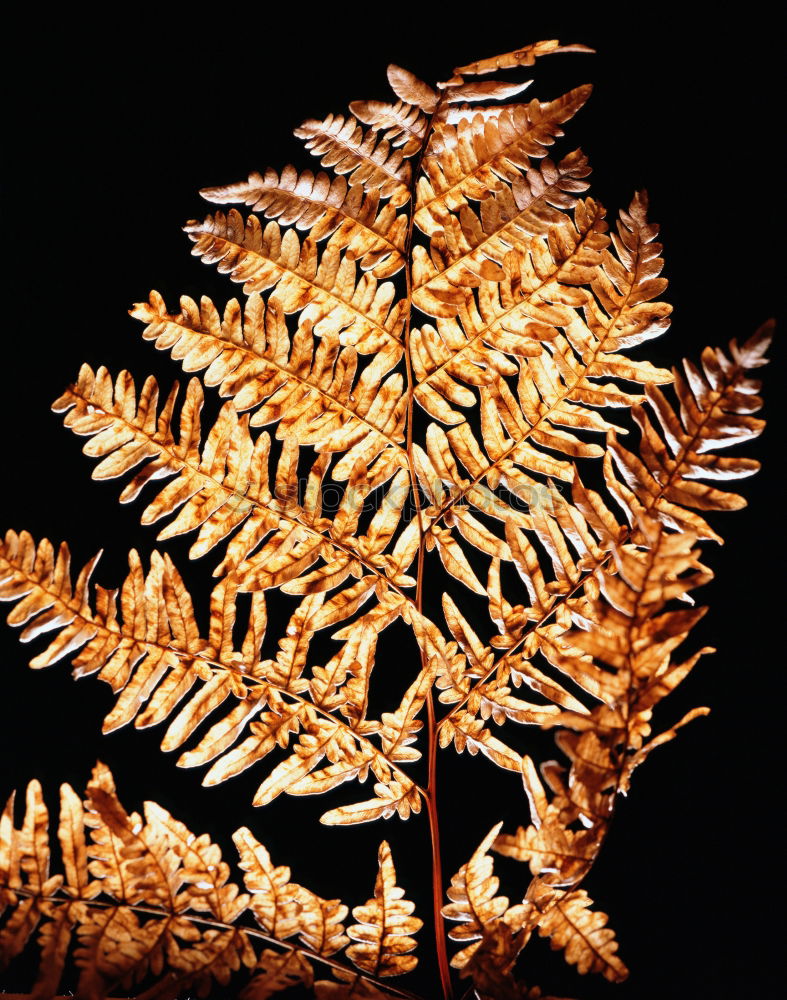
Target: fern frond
{"x":24,"y":864}
{"x":385,"y":928}
{"x":469,"y":165}
{"x":485,"y":90}
{"x":525,"y":56}
{"x":146,"y":902}
{"x":226,"y":486}
{"x":320,"y":923}
{"x":326,"y":207}
{"x":155,"y":863}
{"x":532,"y":305}
{"x":324,"y":290}
{"x":309,"y":388}
{"x":161,"y":669}
{"x":717,"y":400}
{"x":467,"y":732}
{"x":510,"y":316}
{"x":474,"y":900}
{"x":461,"y":242}
{"x":343,"y":145}
{"x":398,"y":796}
{"x":555,"y":388}
{"x":548,"y":845}
{"x":274,"y":899}
{"x":625,"y":660}
{"x":402,"y":124}
{"x":633,"y":637}
{"x":590,"y":516}
{"x":399,"y":729}
{"x":409,"y":88}
{"x":583,"y":935}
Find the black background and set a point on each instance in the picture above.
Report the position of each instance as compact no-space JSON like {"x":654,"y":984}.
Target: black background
{"x":113,"y":129}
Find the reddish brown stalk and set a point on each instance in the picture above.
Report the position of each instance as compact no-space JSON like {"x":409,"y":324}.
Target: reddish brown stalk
{"x":431,"y":786}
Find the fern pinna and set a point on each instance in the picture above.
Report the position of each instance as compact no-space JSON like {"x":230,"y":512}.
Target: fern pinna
{"x":436,"y":329}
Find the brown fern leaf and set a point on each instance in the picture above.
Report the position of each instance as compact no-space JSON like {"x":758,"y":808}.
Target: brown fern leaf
{"x":461,"y":242}
{"x":548,"y":845}
{"x":402,"y":124}
{"x":162,"y":669}
{"x":274,"y":899}
{"x":24,"y":866}
{"x":226,"y":487}
{"x":465,"y":165}
{"x":383,"y":934}
{"x":474,"y":900}
{"x":717,"y":400}
{"x":531,"y":304}
{"x":361,"y":313}
{"x":146,"y":902}
{"x":408,"y":87}
{"x":373,"y":234}
{"x":307,"y":387}
{"x":399,"y":729}
{"x":556,"y":388}
{"x":343,"y":145}
{"x":320,"y":923}
{"x":593,"y":530}
{"x":526,"y":56}
{"x":583,"y":935}
{"x":625,"y":660}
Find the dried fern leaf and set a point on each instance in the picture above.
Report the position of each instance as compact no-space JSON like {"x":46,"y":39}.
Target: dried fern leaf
{"x":322,"y":288}
{"x":320,"y":923}
{"x":408,"y":87}
{"x":469,"y":164}
{"x":717,"y":400}
{"x":467,"y":732}
{"x":343,"y":145}
{"x":583,"y":935}
{"x":592,"y":516}
{"x":532,"y":306}
{"x":274,"y":899}
{"x":402,"y":124}
{"x":474,"y":900}
{"x":547,"y":845}
{"x":385,"y":928}
{"x":555,"y":386}
{"x":24,"y":866}
{"x":325,"y":207}
{"x":400,"y":728}
{"x":159,"y":914}
{"x":225,"y":486}
{"x":161,"y":669}
{"x":394,"y":797}
{"x":308,"y":387}
{"x":526,"y":56}
{"x":465,"y":246}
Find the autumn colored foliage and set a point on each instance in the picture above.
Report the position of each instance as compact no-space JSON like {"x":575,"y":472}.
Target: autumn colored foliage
{"x":436,"y":331}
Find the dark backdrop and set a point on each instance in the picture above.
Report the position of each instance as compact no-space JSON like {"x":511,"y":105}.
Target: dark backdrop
{"x":111,"y":136}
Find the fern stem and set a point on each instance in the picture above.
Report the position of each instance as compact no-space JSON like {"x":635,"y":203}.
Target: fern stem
{"x":437,"y":867}
{"x":431,"y":786}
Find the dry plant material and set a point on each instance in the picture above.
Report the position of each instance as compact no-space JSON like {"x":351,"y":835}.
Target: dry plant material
{"x":444,"y":258}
